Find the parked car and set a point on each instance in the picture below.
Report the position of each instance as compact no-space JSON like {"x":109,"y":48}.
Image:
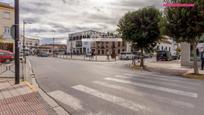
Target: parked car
{"x":6,"y":56}
{"x":127,"y":56}
{"x":164,"y":56}
{"x":89,"y":54}
{"x":43,"y":54}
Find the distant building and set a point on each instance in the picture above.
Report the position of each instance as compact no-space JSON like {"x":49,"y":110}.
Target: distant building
{"x":30,"y":43}
{"x":97,"y":42}
{"x":6,"y":21}
{"x":167,"y":44}
{"x":50,"y":48}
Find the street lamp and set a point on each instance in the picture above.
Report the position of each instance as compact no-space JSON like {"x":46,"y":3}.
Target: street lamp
{"x":17,"y":65}
{"x":53,"y":46}
{"x":24,"y":41}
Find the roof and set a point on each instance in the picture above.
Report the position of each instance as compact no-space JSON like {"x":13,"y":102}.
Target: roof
{"x":102,"y":39}
{"x":5,"y":5}
{"x":74,"y":33}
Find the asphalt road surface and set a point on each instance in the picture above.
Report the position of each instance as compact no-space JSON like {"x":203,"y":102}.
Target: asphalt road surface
{"x":95,"y":88}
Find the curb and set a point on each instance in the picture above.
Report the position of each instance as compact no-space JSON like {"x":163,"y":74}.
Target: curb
{"x":47,"y":98}
{"x":50,"y":101}
{"x":85,"y":60}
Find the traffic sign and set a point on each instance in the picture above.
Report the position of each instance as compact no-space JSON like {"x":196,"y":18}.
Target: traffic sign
{"x":12,"y":31}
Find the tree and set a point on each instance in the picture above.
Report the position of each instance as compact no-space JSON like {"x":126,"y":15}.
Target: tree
{"x":141,"y":28}
{"x":186,"y":24}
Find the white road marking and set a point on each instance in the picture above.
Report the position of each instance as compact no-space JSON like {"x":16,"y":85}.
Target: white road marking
{"x":164,"y":89}
{"x":142,"y":94}
{"x":69,"y":100}
{"x":165,"y":77}
{"x":151,"y":81}
{"x":113,"y":99}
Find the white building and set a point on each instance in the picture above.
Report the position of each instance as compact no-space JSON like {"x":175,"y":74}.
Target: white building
{"x":167,"y":44}
{"x":30,"y":43}
{"x":93,"y":41}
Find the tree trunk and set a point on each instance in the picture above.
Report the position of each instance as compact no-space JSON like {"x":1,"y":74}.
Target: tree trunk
{"x":142,"y":58}
{"x":195,"y":64}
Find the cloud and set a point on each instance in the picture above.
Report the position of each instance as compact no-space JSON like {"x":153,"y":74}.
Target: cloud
{"x":64,"y":16}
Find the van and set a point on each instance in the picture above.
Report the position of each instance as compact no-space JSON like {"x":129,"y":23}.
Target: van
{"x":127,"y":56}
{"x":164,"y":56}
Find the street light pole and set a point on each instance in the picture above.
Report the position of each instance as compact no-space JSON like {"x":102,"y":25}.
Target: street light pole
{"x":17,"y":65}
{"x":24,"y":56}
{"x":53,"y":47}
{"x":71,"y":49}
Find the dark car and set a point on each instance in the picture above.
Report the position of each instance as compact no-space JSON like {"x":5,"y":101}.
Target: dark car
{"x":6,"y":56}
{"x":164,"y":56}
{"x":43,"y":54}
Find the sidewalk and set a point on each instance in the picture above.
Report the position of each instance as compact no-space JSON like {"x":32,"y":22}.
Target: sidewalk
{"x":171,"y":68}
{"x":22,"y":99}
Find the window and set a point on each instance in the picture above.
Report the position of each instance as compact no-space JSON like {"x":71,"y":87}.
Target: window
{"x":118,"y":51}
{"x":85,"y":43}
{"x":118,"y":44}
{"x":102,"y":52}
{"x":6,"y":15}
{"x":6,"y":30}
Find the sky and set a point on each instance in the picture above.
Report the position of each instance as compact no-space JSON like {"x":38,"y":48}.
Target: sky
{"x":57,"y":18}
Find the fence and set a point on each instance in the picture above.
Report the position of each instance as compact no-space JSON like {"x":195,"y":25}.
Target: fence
{"x":7,"y":70}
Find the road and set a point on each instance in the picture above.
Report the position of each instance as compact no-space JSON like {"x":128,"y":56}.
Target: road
{"x":95,"y":88}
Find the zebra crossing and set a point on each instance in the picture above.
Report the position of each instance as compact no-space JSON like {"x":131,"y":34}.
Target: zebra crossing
{"x":136,"y":100}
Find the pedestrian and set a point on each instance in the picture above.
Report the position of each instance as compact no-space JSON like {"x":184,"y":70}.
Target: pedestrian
{"x":202,"y":59}
{"x":108,"y":55}
{"x":92,"y":55}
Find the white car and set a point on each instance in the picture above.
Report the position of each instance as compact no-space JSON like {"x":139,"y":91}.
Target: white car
{"x":126,"y":56}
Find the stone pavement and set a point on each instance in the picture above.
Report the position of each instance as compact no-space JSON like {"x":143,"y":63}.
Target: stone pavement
{"x":21,"y":100}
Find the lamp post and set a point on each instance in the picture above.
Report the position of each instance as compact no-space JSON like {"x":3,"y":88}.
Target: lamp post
{"x":53,"y":46}
{"x":53,"y":43}
{"x":24,"y":46}
{"x":24,"y":56}
{"x":17,"y":65}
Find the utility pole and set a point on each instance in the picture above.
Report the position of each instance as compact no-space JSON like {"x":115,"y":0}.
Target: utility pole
{"x":71,"y":49}
{"x":17,"y":65}
{"x":24,"y":55}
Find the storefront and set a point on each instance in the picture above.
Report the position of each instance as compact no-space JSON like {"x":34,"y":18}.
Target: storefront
{"x":7,"y":45}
